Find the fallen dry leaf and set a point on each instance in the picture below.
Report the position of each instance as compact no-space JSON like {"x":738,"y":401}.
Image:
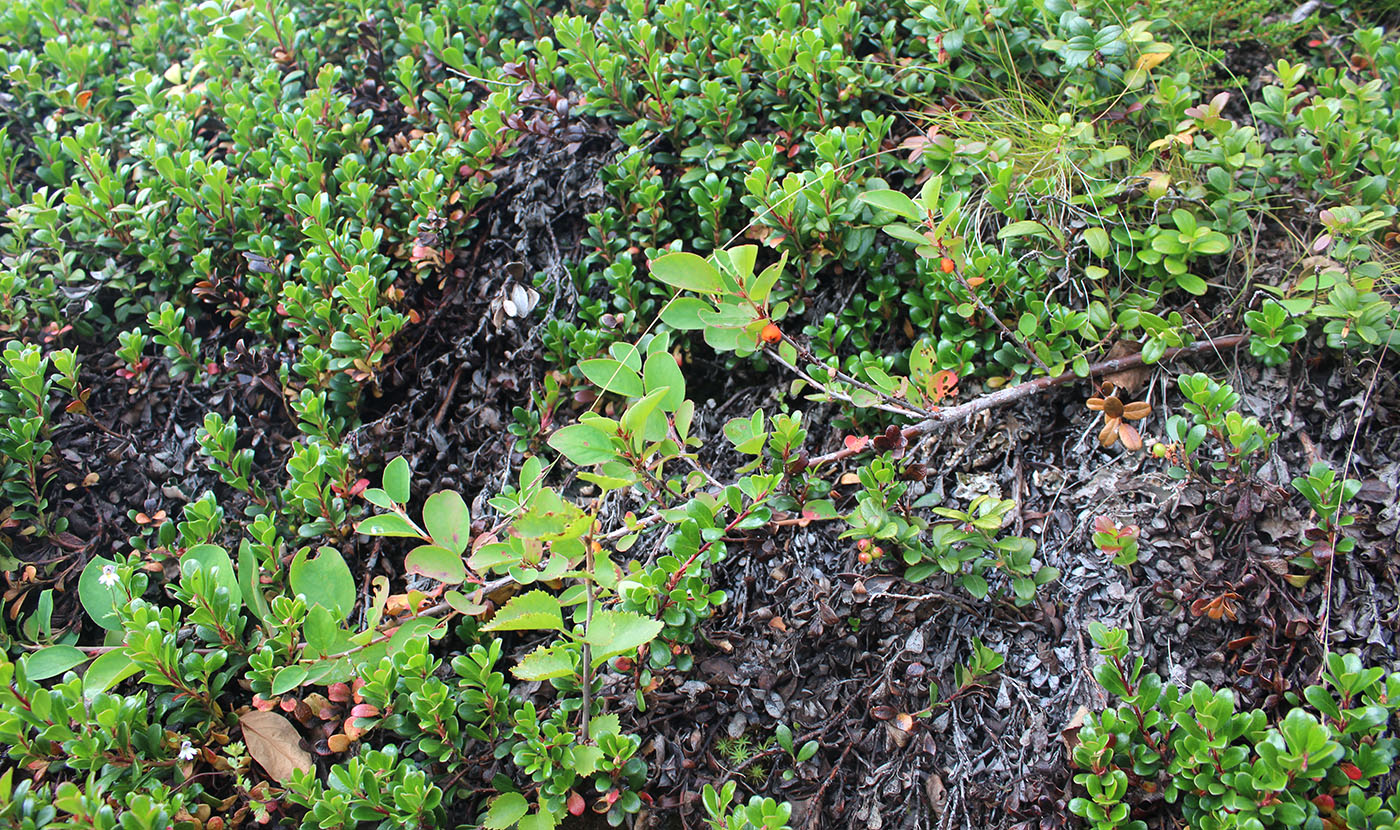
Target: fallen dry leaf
{"x":275,"y":744}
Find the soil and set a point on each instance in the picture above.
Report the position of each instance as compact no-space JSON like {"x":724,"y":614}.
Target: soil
{"x":810,"y":637}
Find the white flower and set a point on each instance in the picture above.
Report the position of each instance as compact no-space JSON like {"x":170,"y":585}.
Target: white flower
{"x":187,"y":751}
{"x":109,"y":576}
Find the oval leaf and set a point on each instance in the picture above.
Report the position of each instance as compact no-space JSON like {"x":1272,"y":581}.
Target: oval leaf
{"x":396,"y":480}
{"x":324,"y":581}
{"x":215,"y":561}
{"x":448,"y":520}
{"x":275,"y":744}
{"x":436,"y":562}
{"x":687,"y":271}
{"x":583,"y":445}
{"x":52,"y":661}
{"x":388,"y":524}
{"x":100,"y":601}
{"x":613,"y":376}
{"x":107,"y":671}
{"x":894,"y":202}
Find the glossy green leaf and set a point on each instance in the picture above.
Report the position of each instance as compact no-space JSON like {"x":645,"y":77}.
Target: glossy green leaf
{"x":100,"y":601}
{"x":325,"y":580}
{"x":683,"y":313}
{"x":215,"y":561}
{"x":52,"y":661}
{"x":108,"y":670}
{"x":687,"y":271}
{"x":894,"y":202}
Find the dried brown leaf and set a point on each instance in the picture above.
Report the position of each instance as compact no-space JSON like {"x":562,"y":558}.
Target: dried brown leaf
{"x":275,"y":744}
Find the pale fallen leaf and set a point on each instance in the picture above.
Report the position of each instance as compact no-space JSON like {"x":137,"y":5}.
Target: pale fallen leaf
{"x":275,"y":744}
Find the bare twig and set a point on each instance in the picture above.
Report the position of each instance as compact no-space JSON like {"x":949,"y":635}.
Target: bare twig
{"x":1011,"y":394}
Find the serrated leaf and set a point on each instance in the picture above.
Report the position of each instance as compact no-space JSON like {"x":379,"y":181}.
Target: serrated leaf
{"x":687,"y":271}
{"x":613,"y":376}
{"x":527,"y":612}
{"x":545,"y":663}
{"x":448,"y":521}
{"x":396,"y":476}
{"x":505,"y":810}
{"x":388,"y":524}
{"x":613,"y":633}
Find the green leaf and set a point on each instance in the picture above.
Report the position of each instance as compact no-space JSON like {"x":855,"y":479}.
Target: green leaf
{"x":324,"y":581}
{"x":661,"y":370}
{"x":612,"y":633}
{"x":613,"y":376}
{"x":583,"y":445}
{"x":505,"y":810}
{"x":436,"y":562}
{"x":1191,"y":284}
{"x":894,"y":202}
{"x":1025,"y":227}
{"x":545,"y":663}
{"x":687,"y":271}
{"x":287,"y":679}
{"x":107,"y":671}
{"x":248,"y":572}
{"x":528,"y":612}
{"x":215,"y":561}
{"x":1210,"y":244}
{"x":543,"y":820}
{"x":683,"y":313}
{"x":52,"y":661}
{"x":388,"y":524}
{"x":396,"y":476}
{"x":100,"y":601}
{"x":758,"y":292}
{"x":904,"y":233}
{"x":635,"y":418}
{"x":1097,"y":238}
{"x":448,"y":520}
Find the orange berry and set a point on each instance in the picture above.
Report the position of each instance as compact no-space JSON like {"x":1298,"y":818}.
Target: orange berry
{"x":771,"y":334}
{"x":947,"y":265}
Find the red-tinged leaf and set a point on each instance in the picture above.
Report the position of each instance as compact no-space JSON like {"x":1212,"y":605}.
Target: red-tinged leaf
{"x":856,"y":443}
{"x":364,"y":710}
{"x":576,"y":804}
{"x":1352,"y":771}
{"x":339,"y":692}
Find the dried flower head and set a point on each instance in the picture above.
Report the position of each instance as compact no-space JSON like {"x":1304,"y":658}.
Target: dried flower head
{"x":1116,"y":415}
